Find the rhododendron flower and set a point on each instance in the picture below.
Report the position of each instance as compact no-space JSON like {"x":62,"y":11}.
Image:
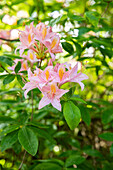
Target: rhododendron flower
{"x":50,"y":80}
{"x":52,"y":95}
{"x":30,"y":85}
{"x":40,"y":39}
{"x":76,"y":77}
{"x":29,"y":28}
{"x":53,"y":46}
{"x":27,"y":40}
{"x":31,"y":56}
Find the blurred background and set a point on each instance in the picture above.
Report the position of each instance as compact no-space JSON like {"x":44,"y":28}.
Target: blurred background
{"x":86,"y":31}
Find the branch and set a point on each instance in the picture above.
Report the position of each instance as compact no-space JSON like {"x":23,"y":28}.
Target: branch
{"x":22,"y":160}
{"x":5,"y":69}
{"x":9,"y":39}
{"x":32,"y":105}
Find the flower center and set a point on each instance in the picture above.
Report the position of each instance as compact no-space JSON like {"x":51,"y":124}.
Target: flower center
{"x":29,"y":38}
{"x":53,"y":43}
{"x":53,"y":89}
{"x":31,"y":56}
{"x":44,"y":32}
{"x":47,"y":74}
{"x":24,"y":66}
{"x":61,"y":73}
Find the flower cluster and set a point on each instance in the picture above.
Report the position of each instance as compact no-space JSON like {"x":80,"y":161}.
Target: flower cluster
{"x":51,"y":79}
{"x":39,"y":40}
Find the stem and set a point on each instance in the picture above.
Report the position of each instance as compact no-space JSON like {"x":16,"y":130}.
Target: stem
{"x":32,"y":105}
{"x":5,"y":69}
{"x":22,"y":160}
{"x":9,"y":39}
{"x":34,"y":49}
{"x":36,"y":45}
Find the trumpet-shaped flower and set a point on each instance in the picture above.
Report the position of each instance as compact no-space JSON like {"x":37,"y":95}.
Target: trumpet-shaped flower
{"x":53,"y":46}
{"x":31,"y":56}
{"x":27,"y":41}
{"x":73,"y":76}
{"x":52,"y":95}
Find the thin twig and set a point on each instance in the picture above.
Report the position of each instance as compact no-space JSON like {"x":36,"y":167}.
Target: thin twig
{"x":32,"y":105}
{"x":5,"y":39}
{"x":22,"y":160}
{"x":105,"y":10}
{"x":5,"y":69}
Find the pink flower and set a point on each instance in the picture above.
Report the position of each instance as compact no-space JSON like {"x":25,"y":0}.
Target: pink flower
{"x":43,"y":33}
{"x":53,"y":46}
{"x":31,"y":56}
{"x":52,"y":95}
{"x":32,"y":84}
{"x":73,"y":76}
{"x":30,"y":28}
{"x":44,"y":77}
{"x":27,"y":41}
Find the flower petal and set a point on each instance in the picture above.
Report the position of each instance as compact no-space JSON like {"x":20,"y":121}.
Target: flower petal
{"x":56,"y":103}
{"x":43,"y":102}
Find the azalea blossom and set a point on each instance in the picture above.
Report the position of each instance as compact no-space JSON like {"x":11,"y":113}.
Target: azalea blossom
{"x":27,"y":40}
{"x":40,"y":39}
{"x":52,"y":95}
{"x":51,"y":79}
{"x":36,"y":42}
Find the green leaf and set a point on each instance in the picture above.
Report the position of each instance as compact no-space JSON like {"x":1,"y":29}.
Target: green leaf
{"x":18,"y":67}
{"x":77,"y":99}
{"x":9,"y":129}
{"x":47,"y":166}
{"x":93,"y":17}
{"x":52,"y":160}
{"x":42,"y":133}
{"x":72,"y":114}
{"x":78,"y":48}
{"x":107,"y":136}
{"x":6,"y":60}
{"x":67,"y":47}
{"x":94,"y":153}
{"x":74,"y":159}
{"x":107,"y":116}
{"x":6,"y":119}
{"x":38,"y":124}
{"x":85,"y":115}
{"x":55,"y":21}
{"x":75,"y":17}
{"x":8,"y":79}
{"x":19,"y":78}
{"x":28,"y":140}
{"x":9,"y":140}
{"x":15,"y":2}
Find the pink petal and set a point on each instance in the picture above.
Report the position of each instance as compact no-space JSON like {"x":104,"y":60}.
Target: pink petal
{"x":61,"y":92}
{"x":56,"y":103}
{"x":43,"y":102}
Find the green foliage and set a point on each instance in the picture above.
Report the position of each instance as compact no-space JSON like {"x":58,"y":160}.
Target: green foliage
{"x":8,"y":79}
{"x":71,"y":114}
{"x":80,"y":136}
{"x":28,"y":140}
